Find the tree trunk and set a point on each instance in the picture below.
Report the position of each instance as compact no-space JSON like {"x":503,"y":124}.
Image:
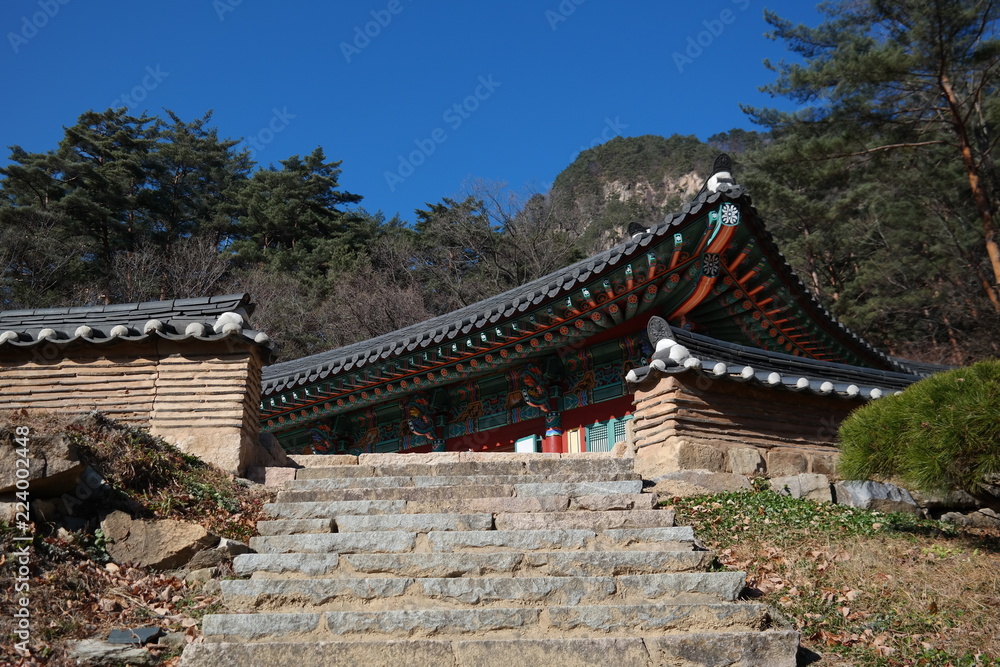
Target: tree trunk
{"x":978,"y":192}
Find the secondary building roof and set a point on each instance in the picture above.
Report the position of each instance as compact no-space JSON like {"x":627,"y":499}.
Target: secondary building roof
{"x":204,"y":319}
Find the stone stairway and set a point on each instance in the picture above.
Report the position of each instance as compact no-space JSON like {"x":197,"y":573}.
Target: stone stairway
{"x":477,"y":559}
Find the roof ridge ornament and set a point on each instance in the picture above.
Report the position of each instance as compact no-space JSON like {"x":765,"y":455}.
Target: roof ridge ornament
{"x":722,"y":175}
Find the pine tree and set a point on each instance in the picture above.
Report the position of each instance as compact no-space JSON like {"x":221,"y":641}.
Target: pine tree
{"x":886,"y":76}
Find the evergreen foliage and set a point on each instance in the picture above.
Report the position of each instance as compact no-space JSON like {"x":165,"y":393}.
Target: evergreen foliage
{"x":882,"y":186}
{"x":939,"y":435}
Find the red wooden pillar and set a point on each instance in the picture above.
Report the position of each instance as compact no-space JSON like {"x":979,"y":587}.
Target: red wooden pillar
{"x":552,"y":443}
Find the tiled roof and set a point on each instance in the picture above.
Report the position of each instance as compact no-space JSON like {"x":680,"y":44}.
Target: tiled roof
{"x":557,"y":285}
{"x":204,"y":319}
{"x":679,"y":352}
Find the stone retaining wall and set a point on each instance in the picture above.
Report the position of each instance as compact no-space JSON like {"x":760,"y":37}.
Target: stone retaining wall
{"x":202,"y":396}
{"x":688,"y":421}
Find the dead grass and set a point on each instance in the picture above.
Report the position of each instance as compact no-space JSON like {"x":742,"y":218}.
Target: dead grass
{"x":74,"y":591}
{"x":863,"y":588}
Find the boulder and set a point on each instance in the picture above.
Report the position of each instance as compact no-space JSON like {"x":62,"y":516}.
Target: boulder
{"x":685,"y":483}
{"x":161,"y":544}
{"x":805,"y":485}
{"x":53,"y":464}
{"x":876,"y":496}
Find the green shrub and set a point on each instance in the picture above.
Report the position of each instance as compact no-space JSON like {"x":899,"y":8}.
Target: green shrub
{"x":939,"y":435}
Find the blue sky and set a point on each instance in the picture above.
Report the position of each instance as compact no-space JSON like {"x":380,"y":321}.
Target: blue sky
{"x":416,"y":97}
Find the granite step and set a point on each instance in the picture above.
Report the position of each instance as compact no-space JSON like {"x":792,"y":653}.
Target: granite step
{"x":770,"y":648}
{"x":314,"y":543}
{"x":492,"y":622}
{"x":388,"y":593}
{"x":583,"y":519}
{"x":424,"y":522}
{"x":461,"y":491}
{"x":604,"y":466}
{"x":452,"y":541}
{"x":471,"y":559}
{"x":431,"y":493}
{"x":295,"y":526}
{"x":324,"y":483}
{"x":418,"y":523}
{"x":524,"y":505}
{"x":442,"y":565}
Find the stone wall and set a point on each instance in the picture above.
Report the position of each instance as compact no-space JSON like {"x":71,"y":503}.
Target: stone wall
{"x":687,"y":421}
{"x":202,"y":396}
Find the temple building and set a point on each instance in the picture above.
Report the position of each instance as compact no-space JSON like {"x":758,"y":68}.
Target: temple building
{"x":692,"y":340}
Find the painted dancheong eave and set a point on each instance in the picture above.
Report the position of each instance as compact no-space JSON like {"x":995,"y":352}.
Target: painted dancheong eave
{"x":712,"y":268}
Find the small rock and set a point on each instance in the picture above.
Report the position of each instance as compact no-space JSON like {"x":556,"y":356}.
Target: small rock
{"x":47,"y":510}
{"x":955,"y":518}
{"x":200,"y":575}
{"x":984,"y":518}
{"x":980,"y":519}
{"x":173,"y":640}
{"x":232,"y":548}
{"x":206,"y":558}
{"x":8,"y":508}
{"x":211,"y":587}
{"x":134,"y":635}
{"x":100,"y":652}
{"x":953,"y":500}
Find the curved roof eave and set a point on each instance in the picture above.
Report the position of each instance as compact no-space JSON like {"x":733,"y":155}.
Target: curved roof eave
{"x":451,"y":326}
